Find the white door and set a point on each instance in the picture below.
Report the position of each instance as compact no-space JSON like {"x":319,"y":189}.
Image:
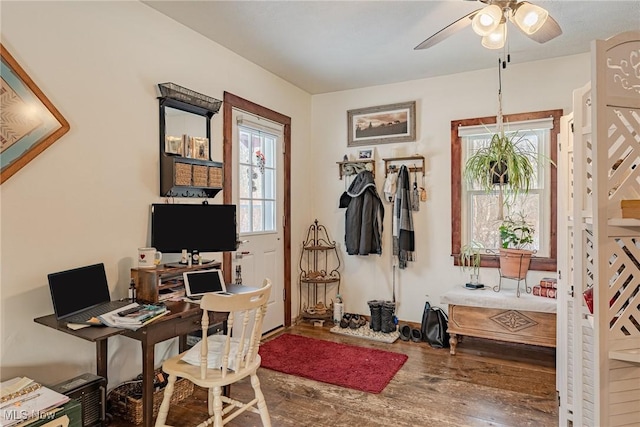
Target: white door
{"x":258,"y":188}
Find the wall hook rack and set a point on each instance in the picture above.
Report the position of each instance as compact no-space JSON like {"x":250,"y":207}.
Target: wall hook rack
{"x":418,"y":164}
{"x":354,"y":167}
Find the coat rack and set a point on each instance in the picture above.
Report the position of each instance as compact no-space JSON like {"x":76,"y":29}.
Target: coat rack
{"x":353,"y":167}
{"x":388,"y":163}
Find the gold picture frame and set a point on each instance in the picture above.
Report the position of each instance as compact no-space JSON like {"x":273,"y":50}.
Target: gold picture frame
{"x":29,"y":122}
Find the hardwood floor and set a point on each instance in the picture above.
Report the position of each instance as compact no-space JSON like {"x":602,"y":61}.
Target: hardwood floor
{"x":487,"y":383}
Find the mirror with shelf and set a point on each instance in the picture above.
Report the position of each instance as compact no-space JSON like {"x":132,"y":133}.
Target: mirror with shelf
{"x":185,"y":143}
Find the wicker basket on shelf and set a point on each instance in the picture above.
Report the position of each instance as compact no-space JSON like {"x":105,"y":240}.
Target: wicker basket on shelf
{"x":200,"y":176}
{"x":126,"y":399}
{"x":183,"y":174}
{"x":215,"y":177}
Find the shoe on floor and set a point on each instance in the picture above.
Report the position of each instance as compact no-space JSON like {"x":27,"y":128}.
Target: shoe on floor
{"x":405,"y":332}
{"x":416,"y":335}
{"x":344,"y":322}
{"x":357,"y":321}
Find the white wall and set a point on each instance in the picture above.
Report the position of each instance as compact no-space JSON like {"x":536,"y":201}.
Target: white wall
{"x":86,"y":198}
{"x":542,"y":85}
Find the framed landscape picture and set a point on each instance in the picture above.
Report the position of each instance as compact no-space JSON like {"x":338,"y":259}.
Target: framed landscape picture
{"x":29,"y":122}
{"x":382,"y":124}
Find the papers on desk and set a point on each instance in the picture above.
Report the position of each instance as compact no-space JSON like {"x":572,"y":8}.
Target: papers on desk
{"x":76,"y":326}
{"x":171,"y":294}
{"x":23,"y":399}
{"x":138,"y":316}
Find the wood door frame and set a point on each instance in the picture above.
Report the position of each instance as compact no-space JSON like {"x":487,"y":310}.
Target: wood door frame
{"x":231,"y":101}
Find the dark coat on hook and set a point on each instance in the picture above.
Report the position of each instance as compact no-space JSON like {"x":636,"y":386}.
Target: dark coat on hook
{"x":364,"y":216}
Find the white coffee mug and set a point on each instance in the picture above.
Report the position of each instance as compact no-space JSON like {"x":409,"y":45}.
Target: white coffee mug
{"x":148,"y":257}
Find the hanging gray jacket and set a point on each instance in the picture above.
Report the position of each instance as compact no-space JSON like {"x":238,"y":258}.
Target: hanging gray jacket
{"x":364,"y":216}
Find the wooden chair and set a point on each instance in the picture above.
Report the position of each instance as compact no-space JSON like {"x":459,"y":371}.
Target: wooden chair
{"x":222,"y":360}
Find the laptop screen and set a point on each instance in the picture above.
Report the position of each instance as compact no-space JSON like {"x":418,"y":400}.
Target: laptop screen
{"x":77,"y":289}
{"x":204,"y":281}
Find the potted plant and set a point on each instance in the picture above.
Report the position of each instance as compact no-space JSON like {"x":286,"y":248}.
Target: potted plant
{"x":508,"y":162}
{"x":469,"y":260}
{"x":515,"y":235}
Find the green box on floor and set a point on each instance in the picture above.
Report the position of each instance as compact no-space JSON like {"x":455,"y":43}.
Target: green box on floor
{"x":71,"y":409}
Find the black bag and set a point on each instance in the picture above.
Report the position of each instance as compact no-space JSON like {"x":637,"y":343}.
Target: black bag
{"x":434,"y":326}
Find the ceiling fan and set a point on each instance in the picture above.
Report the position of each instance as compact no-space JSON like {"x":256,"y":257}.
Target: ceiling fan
{"x":490,"y":22}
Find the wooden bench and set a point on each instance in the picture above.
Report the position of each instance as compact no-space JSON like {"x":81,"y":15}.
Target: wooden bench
{"x":500,"y":316}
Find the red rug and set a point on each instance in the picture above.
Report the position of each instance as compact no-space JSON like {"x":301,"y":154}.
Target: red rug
{"x":359,"y":368}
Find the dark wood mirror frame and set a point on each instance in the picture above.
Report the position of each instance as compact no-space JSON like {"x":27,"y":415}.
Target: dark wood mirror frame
{"x":183,"y":106}
{"x":537,"y":263}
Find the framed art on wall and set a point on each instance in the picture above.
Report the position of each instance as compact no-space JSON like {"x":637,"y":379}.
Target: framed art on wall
{"x":365,"y":154}
{"x":29,"y":122}
{"x":382,"y":124}
{"x":200,"y":147}
{"x":174,"y":145}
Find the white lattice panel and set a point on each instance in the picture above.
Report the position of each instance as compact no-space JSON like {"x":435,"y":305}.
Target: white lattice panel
{"x":616,"y":137}
{"x":622,"y":79}
{"x":584,"y":151}
{"x":588,"y":186}
{"x":623,"y":276}
{"x":623,"y":157}
{"x":589,"y":261}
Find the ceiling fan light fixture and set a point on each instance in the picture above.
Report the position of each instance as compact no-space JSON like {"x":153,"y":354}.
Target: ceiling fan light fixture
{"x":487,"y":20}
{"x":529,"y":17}
{"x":496,"y":39}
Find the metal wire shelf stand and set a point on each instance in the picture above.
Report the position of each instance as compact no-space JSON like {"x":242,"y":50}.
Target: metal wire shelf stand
{"x":319,"y":263}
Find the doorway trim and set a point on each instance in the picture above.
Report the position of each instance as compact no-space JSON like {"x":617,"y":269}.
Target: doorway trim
{"x":233,"y":101}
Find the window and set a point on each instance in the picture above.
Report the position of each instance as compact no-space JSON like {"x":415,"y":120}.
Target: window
{"x":474,"y":212}
{"x":257,"y":180}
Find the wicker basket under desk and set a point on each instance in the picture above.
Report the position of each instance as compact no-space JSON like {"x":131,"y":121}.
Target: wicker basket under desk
{"x":126,"y":399}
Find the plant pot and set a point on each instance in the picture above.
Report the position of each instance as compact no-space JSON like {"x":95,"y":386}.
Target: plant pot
{"x":498,"y":171}
{"x":514,"y":263}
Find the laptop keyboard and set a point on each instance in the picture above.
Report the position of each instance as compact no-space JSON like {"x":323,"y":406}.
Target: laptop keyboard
{"x":96,"y":311}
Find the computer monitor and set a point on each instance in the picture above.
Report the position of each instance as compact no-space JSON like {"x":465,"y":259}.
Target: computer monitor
{"x":201,"y":227}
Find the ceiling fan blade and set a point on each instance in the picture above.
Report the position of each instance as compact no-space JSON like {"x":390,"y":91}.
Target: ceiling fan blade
{"x":550,"y":30}
{"x":447,"y":31}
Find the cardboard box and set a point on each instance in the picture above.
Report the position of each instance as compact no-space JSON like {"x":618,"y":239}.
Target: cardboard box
{"x":630,"y":208}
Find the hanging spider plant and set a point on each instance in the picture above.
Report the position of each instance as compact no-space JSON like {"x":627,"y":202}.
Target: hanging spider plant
{"x":508,"y":162}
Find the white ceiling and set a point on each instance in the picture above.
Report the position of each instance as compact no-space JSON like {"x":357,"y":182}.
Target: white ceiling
{"x":327,"y":46}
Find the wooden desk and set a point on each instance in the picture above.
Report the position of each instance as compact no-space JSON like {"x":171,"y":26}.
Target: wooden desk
{"x":183,"y":319}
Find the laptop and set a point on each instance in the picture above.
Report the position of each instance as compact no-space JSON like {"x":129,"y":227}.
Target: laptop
{"x":80,"y":294}
{"x":198,"y":283}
